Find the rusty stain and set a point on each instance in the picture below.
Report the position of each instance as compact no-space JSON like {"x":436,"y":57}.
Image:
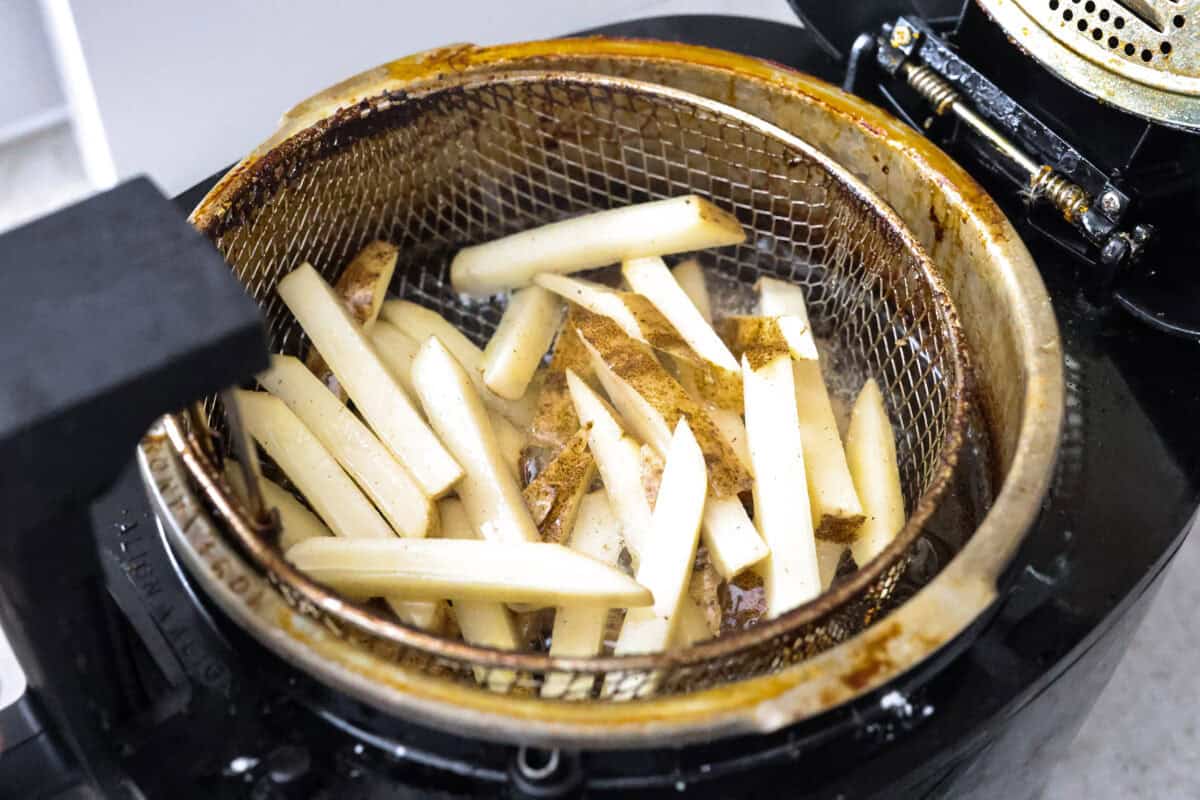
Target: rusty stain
{"x":939,"y":230}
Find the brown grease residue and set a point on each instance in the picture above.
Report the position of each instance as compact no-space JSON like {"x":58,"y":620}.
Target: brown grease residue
{"x":874,"y":660}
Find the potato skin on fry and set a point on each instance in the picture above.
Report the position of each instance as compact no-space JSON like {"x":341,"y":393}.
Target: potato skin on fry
{"x":362,"y":287}
{"x":634,"y":364}
{"x":554,"y":496}
{"x":556,"y":421}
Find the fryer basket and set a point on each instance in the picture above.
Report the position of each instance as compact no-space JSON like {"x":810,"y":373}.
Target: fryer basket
{"x":473,"y":158}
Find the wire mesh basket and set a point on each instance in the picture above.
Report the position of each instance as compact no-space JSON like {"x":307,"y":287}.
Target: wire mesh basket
{"x":472,"y":159}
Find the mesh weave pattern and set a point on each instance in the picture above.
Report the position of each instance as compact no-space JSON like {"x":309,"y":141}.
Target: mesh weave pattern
{"x":470,"y":162}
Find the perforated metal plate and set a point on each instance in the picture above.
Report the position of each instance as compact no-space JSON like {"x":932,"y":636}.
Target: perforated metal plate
{"x":1139,"y":55}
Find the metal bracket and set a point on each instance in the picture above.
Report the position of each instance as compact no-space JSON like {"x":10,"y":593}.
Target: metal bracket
{"x":1048,"y":168}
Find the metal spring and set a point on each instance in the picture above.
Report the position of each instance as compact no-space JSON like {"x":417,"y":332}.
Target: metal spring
{"x":940,"y":94}
{"x":1066,"y":196}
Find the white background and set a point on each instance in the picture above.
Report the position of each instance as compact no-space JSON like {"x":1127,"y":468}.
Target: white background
{"x":184,"y":88}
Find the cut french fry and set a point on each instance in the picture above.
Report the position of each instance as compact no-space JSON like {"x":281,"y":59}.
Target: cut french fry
{"x":836,"y":507}
{"x":728,"y":532}
{"x":652,"y":470}
{"x":618,"y":460}
{"x":728,"y":421}
{"x":633,"y":314}
{"x":655,"y":228}
{"x":556,"y":421}
{"x":781,"y":509}
{"x":650,"y":278}
{"x":733,"y":542}
{"x":871,"y":453}
{"x":500,"y":572}
{"x":375,"y":392}
{"x":692,"y":626}
{"x":510,"y":441}
{"x":522,"y":338}
{"x":396,"y":350}
{"x":778,"y":298}
{"x":656,"y":402}
{"x":731,"y":426}
{"x":554,"y":496}
{"x":704,"y":590}
{"x":482,"y":622}
{"x":420,"y":323}
{"x":579,"y":631}
{"x":488,"y":488}
{"x":296,"y":523}
{"x":670,"y":551}
{"x":690,"y":276}
{"x":361,"y":287}
{"x":829,"y":555}
{"x":322,"y":482}
{"x":306,"y":462}
{"x":388,"y":484}
{"x":717,"y":377}
{"x":788,"y":333}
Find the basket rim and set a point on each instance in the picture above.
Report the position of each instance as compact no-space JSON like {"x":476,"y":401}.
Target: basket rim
{"x":263,"y":174}
{"x":928,"y":623}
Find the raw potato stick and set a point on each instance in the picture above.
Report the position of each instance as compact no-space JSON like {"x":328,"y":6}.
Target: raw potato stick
{"x":388,"y":484}
{"x":728,"y":532}
{"x":556,"y":421}
{"x":829,"y":555}
{"x":784,"y":333}
{"x":633,"y":314}
{"x":397,"y":350}
{"x":362,"y":287}
{"x":306,"y":462}
{"x":510,"y":441}
{"x":871,"y":452}
{"x":554,"y":496}
{"x":650,"y":278}
{"x":836,"y":506}
{"x":500,"y":572}
{"x":375,"y":392}
{"x":690,"y":276}
{"x":579,"y":631}
{"x":482,"y":622}
{"x":419,"y":323}
{"x":666,"y":564}
{"x":322,"y":482}
{"x":654,"y":228}
{"x":296,"y":523}
{"x":619,"y":460}
{"x":692,"y":626}
{"x":728,"y":421}
{"x":522,"y":338}
{"x":488,"y":488}
{"x":790,"y":574}
{"x":628,"y":368}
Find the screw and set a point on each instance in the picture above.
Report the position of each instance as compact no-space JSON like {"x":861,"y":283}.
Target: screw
{"x":1110,"y":201}
{"x":1115,"y":250}
{"x":902,"y":36}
